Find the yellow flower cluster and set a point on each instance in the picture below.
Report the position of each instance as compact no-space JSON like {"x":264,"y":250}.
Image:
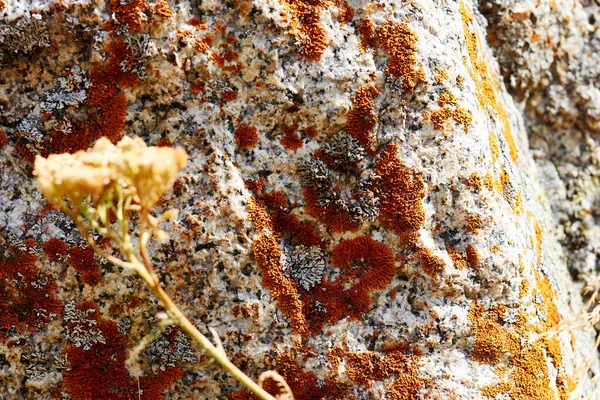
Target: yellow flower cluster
{"x":143,"y":173}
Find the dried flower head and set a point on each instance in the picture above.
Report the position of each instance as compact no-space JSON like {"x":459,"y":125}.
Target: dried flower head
{"x":144,"y":173}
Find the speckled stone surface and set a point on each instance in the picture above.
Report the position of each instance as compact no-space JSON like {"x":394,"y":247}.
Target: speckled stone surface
{"x":384,"y":200}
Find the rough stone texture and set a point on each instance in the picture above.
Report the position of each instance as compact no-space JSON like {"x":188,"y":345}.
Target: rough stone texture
{"x":381,"y":201}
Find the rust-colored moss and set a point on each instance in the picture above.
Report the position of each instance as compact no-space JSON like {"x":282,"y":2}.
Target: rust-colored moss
{"x":450,"y":110}
{"x":246,"y":136}
{"x":483,"y":78}
{"x":99,"y":371}
{"x":82,"y":259}
{"x":27,"y":300}
{"x":400,"y":42}
{"x":3,"y":139}
{"x":55,"y":249}
{"x":361,"y":119}
{"x":402,"y":191}
{"x":472,"y":256}
{"x":365,"y":259}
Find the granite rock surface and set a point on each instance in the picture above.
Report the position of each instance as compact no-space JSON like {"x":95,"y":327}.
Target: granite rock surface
{"x":383,"y":200}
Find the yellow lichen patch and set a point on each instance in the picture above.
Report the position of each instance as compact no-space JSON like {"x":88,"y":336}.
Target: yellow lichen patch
{"x":494,"y":146}
{"x":547,"y":293}
{"x":441,"y":75}
{"x":527,"y":370}
{"x":483,"y":79}
{"x":493,"y":343}
{"x":538,"y":241}
{"x":518,"y":206}
{"x":450,"y":110}
{"x":475,"y":181}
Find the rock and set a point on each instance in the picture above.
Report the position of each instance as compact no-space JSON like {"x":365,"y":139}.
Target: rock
{"x":382,"y":200}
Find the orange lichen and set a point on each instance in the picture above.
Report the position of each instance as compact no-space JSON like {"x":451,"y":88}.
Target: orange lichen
{"x":291,"y":141}
{"x":204,"y":43}
{"x":361,"y":119}
{"x":365,"y":259}
{"x":225,"y":61}
{"x":268,"y":257}
{"x":196,"y":23}
{"x":402,"y":191}
{"x":368,"y":38}
{"x":306,"y":385}
{"x":229,"y":95}
{"x":400,"y":363}
{"x":459,"y":260}
{"x":2,"y":4}
{"x":106,"y":104}
{"x":450,"y":110}
{"x":494,"y":146}
{"x":475,"y":181}
{"x":164,"y":142}
{"x":329,"y":302}
{"x":27,"y":301}
{"x":472,"y":256}
{"x":483,"y":78}
{"x":400,"y":42}
{"x":304,"y":25}
{"x":246,"y":136}
{"x":136,"y":13}
{"x":331,"y":214}
{"x":285,"y":223}
{"x":474,"y":223}
{"x":310,"y":132}
{"x":345,"y":13}
{"x":527,"y":375}
{"x":197,"y":87}
{"x":3,"y":139}
{"x":432,"y":265}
